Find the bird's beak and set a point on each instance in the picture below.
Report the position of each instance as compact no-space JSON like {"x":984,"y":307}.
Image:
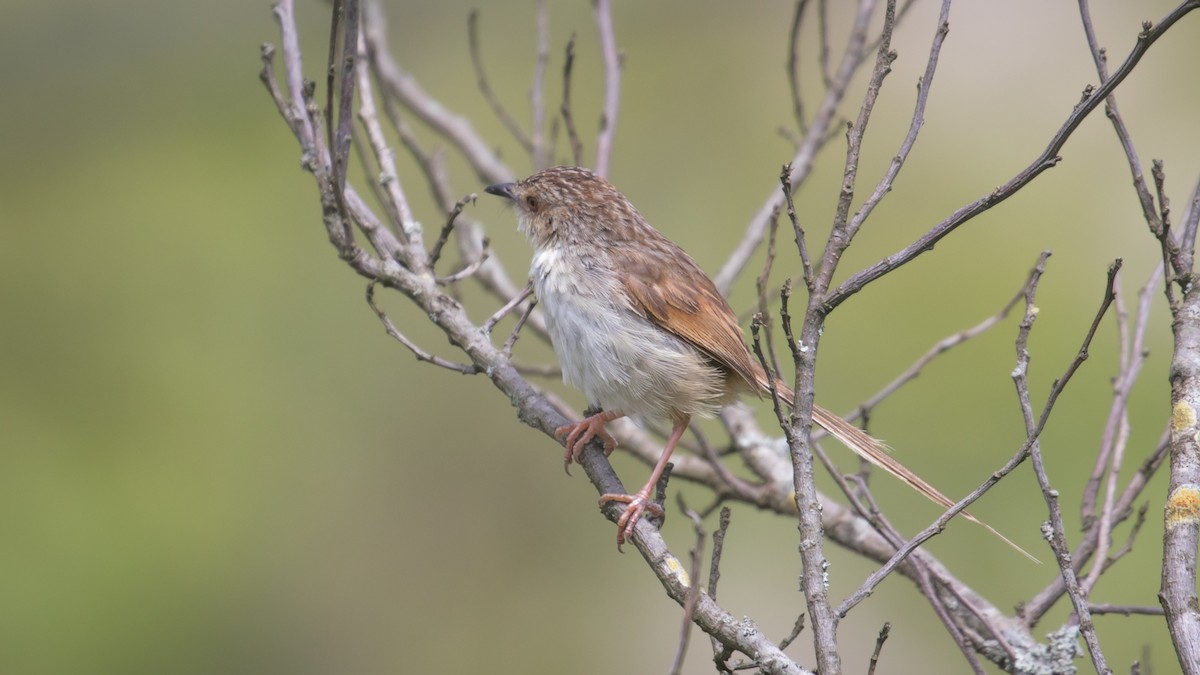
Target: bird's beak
{"x":502,"y":190}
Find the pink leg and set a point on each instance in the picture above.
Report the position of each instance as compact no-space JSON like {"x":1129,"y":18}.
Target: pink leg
{"x":640,"y":501}
{"x":579,"y":433}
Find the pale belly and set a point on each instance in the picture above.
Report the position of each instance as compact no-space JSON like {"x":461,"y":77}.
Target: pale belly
{"x":621,"y":361}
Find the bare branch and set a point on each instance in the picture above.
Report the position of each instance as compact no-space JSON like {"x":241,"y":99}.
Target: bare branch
{"x":975,"y":625}
{"x":921,"y":571}
{"x":823,"y":51}
{"x":879,"y":575}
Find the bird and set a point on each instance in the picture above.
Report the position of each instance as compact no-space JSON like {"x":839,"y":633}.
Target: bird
{"x":642,"y":331}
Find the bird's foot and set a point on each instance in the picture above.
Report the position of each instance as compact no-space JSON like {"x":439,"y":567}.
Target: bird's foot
{"x":637,"y":503}
{"x":578,"y":434}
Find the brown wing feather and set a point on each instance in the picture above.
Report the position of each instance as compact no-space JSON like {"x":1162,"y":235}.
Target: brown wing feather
{"x":670,"y":289}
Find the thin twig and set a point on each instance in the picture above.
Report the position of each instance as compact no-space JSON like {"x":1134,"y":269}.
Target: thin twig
{"x":289,"y":114}
{"x":823,"y":49}
{"x":568,"y":119}
{"x":339,"y":141}
{"x":923,"y":573}
{"x":940,"y":347}
{"x":485,"y":87}
{"x":396,"y":201}
{"x":1133,"y":356}
{"x":797,"y":628}
{"x":938,"y":525}
{"x":797,"y":230}
{"x":1116,"y":431}
{"x":1031,"y":612}
{"x":537,"y":91}
{"x":1191,"y":223}
{"x":1126,"y":610}
{"x":918,"y":118}
{"x":612,"y":85}
{"x":844,"y":228}
{"x":422,"y":355}
{"x":435,"y":253}
{"x":883,"y":636}
{"x":763,"y":318}
{"x":1054,"y":530}
{"x":793,"y":68}
{"x":509,"y":306}
{"x":293,"y":109}
{"x":1145,"y":199}
{"x":693,"y":595}
{"x":470,"y":269}
{"x":516,"y":331}
{"x":714,"y":576}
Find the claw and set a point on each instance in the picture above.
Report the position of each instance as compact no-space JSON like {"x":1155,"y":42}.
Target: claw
{"x":578,"y":434}
{"x":637,"y":504}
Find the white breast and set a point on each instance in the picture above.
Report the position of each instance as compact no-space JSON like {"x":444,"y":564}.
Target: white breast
{"x":621,"y":361}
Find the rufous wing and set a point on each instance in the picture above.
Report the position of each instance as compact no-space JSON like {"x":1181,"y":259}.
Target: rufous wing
{"x":666,"y":286}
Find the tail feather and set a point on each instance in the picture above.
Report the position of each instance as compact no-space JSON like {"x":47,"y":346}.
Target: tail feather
{"x":874,"y":451}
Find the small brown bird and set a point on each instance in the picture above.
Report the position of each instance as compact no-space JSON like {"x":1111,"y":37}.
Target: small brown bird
{"x":640,"y":328}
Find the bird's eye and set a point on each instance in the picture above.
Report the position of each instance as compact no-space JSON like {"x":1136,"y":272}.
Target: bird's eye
{"x":531,"y":202}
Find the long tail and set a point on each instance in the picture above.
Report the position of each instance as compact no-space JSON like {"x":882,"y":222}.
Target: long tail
{"x":874,"y":451}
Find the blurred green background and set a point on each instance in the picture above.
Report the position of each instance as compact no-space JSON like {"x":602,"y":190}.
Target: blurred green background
{"x":212,"y":458}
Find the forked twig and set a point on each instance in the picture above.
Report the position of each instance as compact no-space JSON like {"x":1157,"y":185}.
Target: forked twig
{"x":1054,"y":531}
{"x":421,"y":354}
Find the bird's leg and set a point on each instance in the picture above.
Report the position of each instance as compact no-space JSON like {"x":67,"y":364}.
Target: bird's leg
{"x":640,"y":501}
{"x":579,"y":433}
